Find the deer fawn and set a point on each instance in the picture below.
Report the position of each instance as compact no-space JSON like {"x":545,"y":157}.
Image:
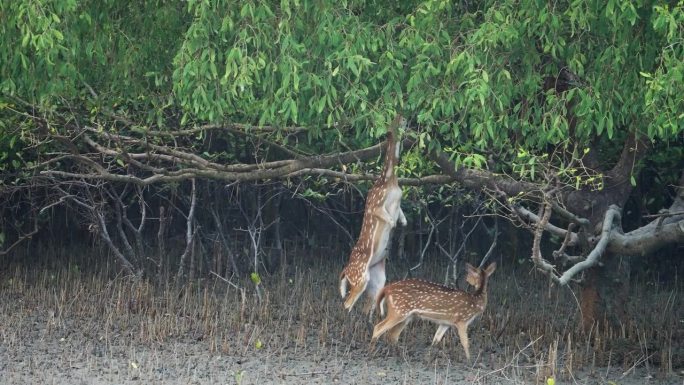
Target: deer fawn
{"x":365,"y":271}
{"x":430,"y":301}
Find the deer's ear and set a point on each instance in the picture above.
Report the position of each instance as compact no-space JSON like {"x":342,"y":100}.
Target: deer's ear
{"x":471,"y":269}
{"x":490,"y":269}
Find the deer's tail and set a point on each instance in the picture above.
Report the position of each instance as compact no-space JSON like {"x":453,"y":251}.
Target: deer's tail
{"x":380,"y":301}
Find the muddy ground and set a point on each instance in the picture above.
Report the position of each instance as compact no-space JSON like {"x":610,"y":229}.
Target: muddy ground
{"x":76,"y":359}
{"x":70,"y":327}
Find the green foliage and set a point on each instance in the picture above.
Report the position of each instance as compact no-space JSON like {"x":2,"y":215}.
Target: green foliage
{"x":477,"y":77}
{"x":473,"y":77}
{"x":53,"y":50}
{"x":255,"y":277}
{"x":664,"y":100}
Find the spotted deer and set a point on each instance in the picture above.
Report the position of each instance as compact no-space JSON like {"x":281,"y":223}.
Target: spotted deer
{"x":433,"y":302}
{"x":365,"y":270}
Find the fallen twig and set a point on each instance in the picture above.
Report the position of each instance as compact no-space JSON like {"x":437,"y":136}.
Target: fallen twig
{"x":225,"y":280}
{"x":306,"y":373}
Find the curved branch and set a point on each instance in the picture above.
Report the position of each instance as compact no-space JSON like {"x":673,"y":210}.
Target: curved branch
{"x":315,"y":165}
{"x":612,"y":214}
{"x":181,"y":156}
{"x":532,"y":217}
{"x":541,"y":263}
{"x":104,"y":233}
{"x":582,"y":222}
{"x":647,"y":239}
{"x":561,"y":251}
{"x":666,"y":229}
{"x":22,"y":238}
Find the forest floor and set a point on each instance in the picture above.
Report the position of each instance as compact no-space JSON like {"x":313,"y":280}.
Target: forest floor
{"x":65,"y":326}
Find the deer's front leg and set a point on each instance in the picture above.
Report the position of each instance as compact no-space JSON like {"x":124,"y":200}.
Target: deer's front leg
{"x":402,"y":217}
{"x":382,"y":214}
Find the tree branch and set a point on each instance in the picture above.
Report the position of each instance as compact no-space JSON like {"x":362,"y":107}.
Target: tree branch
{"x":429,"y":179}
{"x":22,"y":238}
{"x":210,"y":170}
{"x":612,"y":215}
{"x":646,"y":240}
{"x":189,"y":232}
{"x":541,"y":263}
{"x":479,"y":179}
{"x":534,"y":218}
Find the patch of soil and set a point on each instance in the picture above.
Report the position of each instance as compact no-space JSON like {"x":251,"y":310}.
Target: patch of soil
{"x":69,"y":327}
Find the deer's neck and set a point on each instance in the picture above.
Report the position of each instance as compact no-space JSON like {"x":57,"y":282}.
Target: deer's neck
{"x":391,"y":156}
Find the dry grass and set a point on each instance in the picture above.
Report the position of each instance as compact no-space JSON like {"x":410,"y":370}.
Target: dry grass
{"x":528,"y":333}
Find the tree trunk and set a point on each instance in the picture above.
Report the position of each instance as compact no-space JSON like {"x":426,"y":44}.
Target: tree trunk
{"x":589,"y":299}
{"x":606,"y":286}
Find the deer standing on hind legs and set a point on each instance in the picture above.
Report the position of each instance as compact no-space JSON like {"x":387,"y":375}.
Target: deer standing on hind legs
{"x":433,"y":302}
{"x":365,"y":271}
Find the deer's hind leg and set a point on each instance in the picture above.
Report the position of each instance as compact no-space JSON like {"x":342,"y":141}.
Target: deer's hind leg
{"x":396,"y":330}
{"x":376,"y":282}
{"x":393,"y":319}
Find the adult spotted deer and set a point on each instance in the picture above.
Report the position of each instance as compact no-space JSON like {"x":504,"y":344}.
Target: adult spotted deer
{"x":365,"y":271}
{"x":437,"y":303}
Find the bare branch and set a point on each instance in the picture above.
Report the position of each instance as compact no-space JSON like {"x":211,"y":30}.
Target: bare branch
{"x":493,"y":245}
{"x":161,"y":239}
{"x":245,"y":128}
{"x":22,"y":238}
{"x":566,"y":240}
{"x":480,"y":179}
{"x":223,"y":238}
{"x":532,"y":217}
{"x":541,"y":263}
{"x":582,"y":222}
{"x":209,"y":170}
{"x":647,"y":239}
{"x":189,"y":232}
{"x":104,"y":233}
{"x":429,"y":179}
{"x":329,"y":215}
{"x":119,"y":212}
{"x":612,"y":215}
{"x":225,"y":280}
{"x":664,"y":214}
{"x":433,"y":226}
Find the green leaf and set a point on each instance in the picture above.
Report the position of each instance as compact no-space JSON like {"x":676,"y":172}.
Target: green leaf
{"x":255,"y":278}
{"x":609,"y":126}
{"x":293,"y":110}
